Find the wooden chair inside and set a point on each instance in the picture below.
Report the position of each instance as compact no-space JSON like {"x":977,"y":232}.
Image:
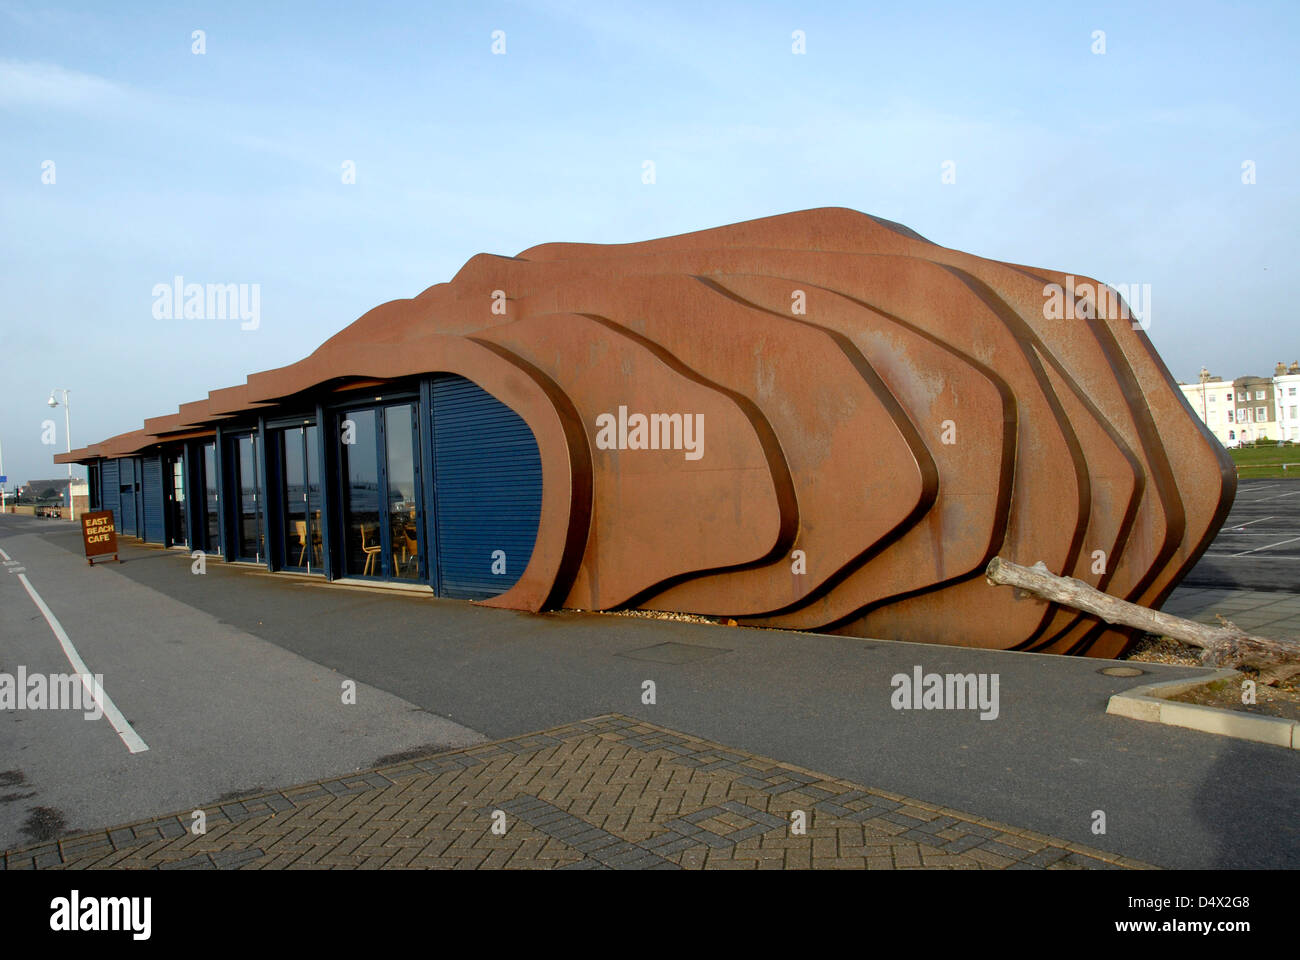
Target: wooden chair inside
{"x":411,"y":548}
{"x":300,"y":531}
{"x":370,"y":549}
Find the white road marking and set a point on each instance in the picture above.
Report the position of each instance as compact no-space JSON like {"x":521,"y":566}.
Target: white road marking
{"x":1230,"y":556}
{"x":129,"y":737}
{"x":1276,"y":496}
{"x":1249,"y":522}
{"x":1252,"y":533}
{"x":1268,"y":547}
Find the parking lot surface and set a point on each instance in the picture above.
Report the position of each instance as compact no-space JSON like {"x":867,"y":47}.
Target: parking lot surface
{"x":1258,"y":547}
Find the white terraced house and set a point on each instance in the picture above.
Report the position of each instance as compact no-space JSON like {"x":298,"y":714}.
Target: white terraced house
{"x":1286,"y":392}
{"x":1214,"y":401}
{"x":1248,"y":408}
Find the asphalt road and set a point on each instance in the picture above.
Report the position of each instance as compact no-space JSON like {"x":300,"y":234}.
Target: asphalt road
{"x":1258,"y":547}
{"x":220,"y":710}
{"x":232,"y":678}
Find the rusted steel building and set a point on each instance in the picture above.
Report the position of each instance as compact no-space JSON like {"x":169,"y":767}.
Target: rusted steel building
{"x":818,"y":421}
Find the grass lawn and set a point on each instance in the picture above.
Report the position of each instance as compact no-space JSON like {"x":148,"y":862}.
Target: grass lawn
{"x":1267,"y":461}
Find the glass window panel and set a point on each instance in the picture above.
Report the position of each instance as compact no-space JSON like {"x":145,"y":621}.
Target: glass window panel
{"x":363,"y":543}
{"x":400,"y":441}
{"x":250,"y":527}
{"x":210,"y":498}
{"x":296,"y":540}
{"x":179,"y":532}
{"x":312,"y":474}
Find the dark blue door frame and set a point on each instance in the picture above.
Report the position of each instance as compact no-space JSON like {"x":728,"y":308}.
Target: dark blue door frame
{"x":427,"y":486}
{"x":170,"y":533}
{"x":227,"y":497}
{"x":195,"y":520}
{"x":333,"y":480}
{"x":217,"y":463}
{"x":381,"y":493}
{"x":219,"y":472}
{"x":269,"y":507}
{"x":386,"y":519}
{"x":331,"y":440}
{"x":232,"y":500}
{"x":326,"y":463}
{"x":277,"y":433}
{"x":273,"y":480}
{"x":381,"y":490}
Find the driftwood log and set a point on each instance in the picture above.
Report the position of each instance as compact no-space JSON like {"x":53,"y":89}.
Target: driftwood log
{"x":1223,"y":646}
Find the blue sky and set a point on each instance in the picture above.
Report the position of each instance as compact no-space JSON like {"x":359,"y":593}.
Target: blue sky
{"x":225,"y":167}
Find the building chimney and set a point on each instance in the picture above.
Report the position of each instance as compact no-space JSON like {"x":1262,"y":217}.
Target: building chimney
{"x":1280,"y":369}
{"x":1294,"y":368}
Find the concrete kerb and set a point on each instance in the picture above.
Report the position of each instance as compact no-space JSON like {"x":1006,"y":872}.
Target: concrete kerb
{"x":1150,"y":702}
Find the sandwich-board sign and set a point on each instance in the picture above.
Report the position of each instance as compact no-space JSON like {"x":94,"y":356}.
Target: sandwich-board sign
{"x":99,"y":536}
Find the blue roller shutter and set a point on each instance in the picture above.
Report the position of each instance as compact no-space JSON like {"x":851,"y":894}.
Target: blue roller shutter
{"x":110,"y":493}
{"x":488,"y":490}
{"x":127,"y":527}
{"x":154,"y":529}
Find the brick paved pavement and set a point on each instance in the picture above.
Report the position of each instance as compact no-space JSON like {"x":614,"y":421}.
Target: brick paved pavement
{"x":1268,"y":613}
{"x":606,"y":793}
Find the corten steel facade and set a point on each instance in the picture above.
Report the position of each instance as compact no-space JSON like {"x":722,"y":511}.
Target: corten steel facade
{"x":863,"y":420}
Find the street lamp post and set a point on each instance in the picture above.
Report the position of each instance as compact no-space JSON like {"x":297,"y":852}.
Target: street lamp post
{"x":67,"y":430}
{"x":1205,"y":375}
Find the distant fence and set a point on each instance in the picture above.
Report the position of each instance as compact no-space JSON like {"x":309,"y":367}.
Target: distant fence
{"x":50,"y":511}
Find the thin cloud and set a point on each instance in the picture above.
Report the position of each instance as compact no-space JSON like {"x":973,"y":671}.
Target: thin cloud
{"x":47,"y":85}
